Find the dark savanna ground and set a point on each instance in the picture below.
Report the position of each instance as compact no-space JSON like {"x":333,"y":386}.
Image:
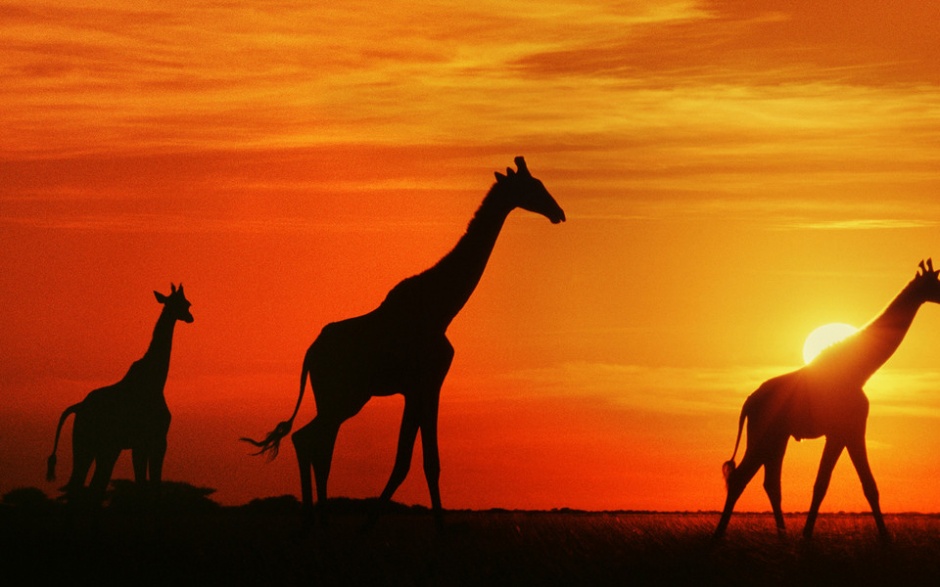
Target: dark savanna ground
{"x":192,"y":541}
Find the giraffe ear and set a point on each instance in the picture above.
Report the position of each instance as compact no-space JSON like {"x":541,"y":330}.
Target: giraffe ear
{"x":160,"y":297}
{"x":499,"y":177}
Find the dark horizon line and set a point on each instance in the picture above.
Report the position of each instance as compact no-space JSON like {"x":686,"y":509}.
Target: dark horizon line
{"x":353,"y":503}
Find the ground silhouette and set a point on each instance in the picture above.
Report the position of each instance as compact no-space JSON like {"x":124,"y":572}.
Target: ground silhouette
{"x":824,"y":398}
{"x":401,"y":347}
{"x":130,"y":414}
{"x":247,"y":545}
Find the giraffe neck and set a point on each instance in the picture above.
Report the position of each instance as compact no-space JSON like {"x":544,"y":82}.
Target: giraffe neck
{"x":152,"y":369}
{"x":433,"y":298}
{"x":862,"y":354}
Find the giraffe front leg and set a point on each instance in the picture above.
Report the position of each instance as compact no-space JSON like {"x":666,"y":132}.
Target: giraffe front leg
{"x":156,"y":456}
{"x":139,"y":458}
{"x":831,"y":453}
{"x":432,"y":459}
{"x":859,"y":455}
{"x":407,"y":435}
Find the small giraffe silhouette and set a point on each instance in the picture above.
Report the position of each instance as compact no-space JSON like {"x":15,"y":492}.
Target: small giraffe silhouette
{"x":824,"y":398}
{"x":401,"y":348}
{"x":130,"y":414}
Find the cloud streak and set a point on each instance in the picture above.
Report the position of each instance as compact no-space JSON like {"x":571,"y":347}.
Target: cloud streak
{"x":682,"y":390}
{"x":709,"y":391}
{"x":205,"y":76}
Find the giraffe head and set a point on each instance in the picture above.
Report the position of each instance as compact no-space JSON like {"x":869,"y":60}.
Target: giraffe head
{"x":926,"y":283}
{"x":175,"y":304}
{"x":526,"y":192}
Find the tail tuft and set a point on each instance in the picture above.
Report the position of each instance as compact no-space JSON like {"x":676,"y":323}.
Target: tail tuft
{"x":727,"y":468}
{"x":50,"y":468}
{"x":271,"y":443}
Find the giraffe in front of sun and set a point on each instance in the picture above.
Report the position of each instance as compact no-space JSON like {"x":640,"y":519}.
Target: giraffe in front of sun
{"x":824,"y":398}
{"x":401,"y":347}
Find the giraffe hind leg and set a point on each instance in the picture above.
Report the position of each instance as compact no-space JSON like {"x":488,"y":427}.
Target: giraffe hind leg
{"x":314,"y":445}
{"x":432,"y":462}
{"x":737,"y":481}
{"x":302,"y":440}
{"x":104,"y":467}
{"x":83,"y":455}
{"x":81,"y":464}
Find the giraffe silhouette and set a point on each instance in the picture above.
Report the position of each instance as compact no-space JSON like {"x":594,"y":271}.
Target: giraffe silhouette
{"x":130,"y":414}
{"x":401,"y":347}
{"x":824,"y":398}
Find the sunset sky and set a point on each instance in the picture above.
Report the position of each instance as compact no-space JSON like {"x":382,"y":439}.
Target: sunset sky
{"x":734,"y":175}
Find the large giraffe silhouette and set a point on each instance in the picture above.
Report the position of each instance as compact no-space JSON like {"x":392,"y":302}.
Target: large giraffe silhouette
{"x":401,"y":348}
{"x":130,"y":414}
{"x":824,"y":398}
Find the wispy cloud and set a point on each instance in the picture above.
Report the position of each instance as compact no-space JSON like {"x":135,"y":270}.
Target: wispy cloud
{"x":203,"y":75}
{"x":864,"y":224}
{"x":686,"y":390}
{"x":710,"y":391}
{"x":905,"y":392}
{"x":144,"y":223}
{"x":645,"y":111}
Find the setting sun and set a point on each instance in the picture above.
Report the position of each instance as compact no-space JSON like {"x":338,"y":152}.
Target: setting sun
{"x":824,"y":337}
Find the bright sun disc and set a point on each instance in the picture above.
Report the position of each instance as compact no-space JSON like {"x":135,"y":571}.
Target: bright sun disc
{"x":825,"y":336}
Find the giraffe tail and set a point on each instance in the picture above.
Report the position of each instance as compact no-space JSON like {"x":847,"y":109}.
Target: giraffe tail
{"x":271,"y":444}
{"x":728,"y":467}
{"x":51,"y":461}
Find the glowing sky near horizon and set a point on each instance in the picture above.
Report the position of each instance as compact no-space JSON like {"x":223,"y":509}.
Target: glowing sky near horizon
{"x":735,"y":174}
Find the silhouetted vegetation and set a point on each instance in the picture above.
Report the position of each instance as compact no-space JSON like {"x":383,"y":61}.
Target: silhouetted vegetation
{"x":28,"y":498}
{"x":258,"y":544}
{"x":173,"y":496}
{"x":282,"y":504}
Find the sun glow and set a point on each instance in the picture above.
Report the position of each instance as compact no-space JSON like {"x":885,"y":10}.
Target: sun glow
{"x":824,"y":337}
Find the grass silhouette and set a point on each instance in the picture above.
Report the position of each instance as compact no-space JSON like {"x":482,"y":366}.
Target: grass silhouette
{"x":257,"y":544}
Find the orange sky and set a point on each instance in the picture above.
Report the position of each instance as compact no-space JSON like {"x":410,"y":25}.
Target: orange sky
{"x":734,"y":175}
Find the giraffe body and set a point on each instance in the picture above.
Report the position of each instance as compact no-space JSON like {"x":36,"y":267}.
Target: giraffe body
{"x":824,"y":398}
{"x":131,"y":414}
{"x":401,"y":347}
